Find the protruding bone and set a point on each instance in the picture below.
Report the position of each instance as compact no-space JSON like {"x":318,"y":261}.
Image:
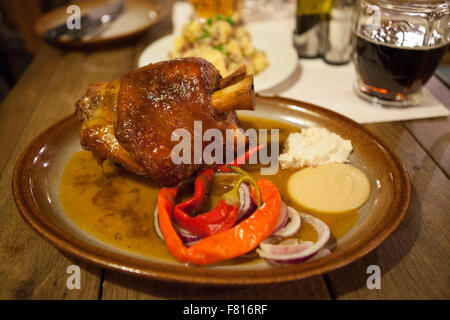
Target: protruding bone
{"x":234,"y":77}
{"x":237,"y":96}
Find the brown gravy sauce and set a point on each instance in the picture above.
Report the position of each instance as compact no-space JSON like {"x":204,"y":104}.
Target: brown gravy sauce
{"x":117,"y":206}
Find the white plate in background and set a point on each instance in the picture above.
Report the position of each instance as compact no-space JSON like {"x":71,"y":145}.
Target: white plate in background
{"x":282,"y":57}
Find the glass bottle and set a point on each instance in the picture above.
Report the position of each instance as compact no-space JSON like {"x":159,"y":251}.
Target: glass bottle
{"x":311,"y":27}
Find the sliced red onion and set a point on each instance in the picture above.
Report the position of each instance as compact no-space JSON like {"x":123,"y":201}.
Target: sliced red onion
{"x":288,"y":229}
{"x":191,"y":243}
{"x":289,"y":246}
{"x":282,"y":218}
{"x":244,"y":197}
{"x":156,"y":223}
{"x":252,"y":208}
{"x":300,"y":253}
{"x":185,"y":235}
{"x":248,"y":206}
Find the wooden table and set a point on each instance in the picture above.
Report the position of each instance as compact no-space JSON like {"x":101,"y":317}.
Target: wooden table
{"x":414,"y":261}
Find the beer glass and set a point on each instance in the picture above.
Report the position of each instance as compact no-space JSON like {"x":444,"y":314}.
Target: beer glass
{"x":397,"y":47}
{"x":209,"y":8}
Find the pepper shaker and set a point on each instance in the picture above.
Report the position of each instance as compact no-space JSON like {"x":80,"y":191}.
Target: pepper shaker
{"x":338,"y":46}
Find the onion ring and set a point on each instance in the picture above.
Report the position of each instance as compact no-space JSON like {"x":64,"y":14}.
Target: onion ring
{"x":288,"y":229}
{"x":156,"y":224}
{"x":298,"y":253}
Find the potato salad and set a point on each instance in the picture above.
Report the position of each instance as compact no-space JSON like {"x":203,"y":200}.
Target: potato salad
{"x":221,"y":41}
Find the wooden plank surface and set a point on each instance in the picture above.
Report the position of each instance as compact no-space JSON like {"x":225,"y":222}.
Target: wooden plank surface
{"x":16,"y":110}
{"x":30,"y":267}
{"x":434,"y":134}
{"x":414,"y":260}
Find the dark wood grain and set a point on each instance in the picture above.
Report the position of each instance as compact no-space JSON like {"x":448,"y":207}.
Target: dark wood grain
{"x":434,"y":134}
{"x":31,"y":268}
{"x":17,"y":108}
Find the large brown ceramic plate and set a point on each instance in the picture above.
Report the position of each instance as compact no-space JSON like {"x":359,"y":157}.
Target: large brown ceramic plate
{"x":38,"y":171}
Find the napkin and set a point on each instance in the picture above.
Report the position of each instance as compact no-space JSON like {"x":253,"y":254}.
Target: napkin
{"x":317,"y":82}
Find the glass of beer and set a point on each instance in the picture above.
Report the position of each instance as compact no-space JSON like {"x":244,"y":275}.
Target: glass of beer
{"x":210,"y":8}
{"x":397,"y":47}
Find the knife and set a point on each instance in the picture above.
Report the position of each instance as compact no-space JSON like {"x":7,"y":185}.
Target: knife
{"x":89,"y":22}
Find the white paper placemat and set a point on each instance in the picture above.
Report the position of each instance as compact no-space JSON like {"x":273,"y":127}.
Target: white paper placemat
{"x":332,"y":87}
{"x":318,"y":83}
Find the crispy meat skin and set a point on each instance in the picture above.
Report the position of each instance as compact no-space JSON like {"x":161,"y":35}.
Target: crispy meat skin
{"x":130,"y":121}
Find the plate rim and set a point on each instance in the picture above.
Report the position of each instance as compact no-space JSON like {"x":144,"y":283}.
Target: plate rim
{"x":179,"y":273}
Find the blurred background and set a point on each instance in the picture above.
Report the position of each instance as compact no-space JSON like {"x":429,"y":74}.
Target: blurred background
{"x":19,"y":42}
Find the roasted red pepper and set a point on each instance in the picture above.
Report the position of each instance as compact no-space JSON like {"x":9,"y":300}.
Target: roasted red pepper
{"x":224,"y":216}
{"x":201,"y":187}
{"x":221,"y":218}
{"x":230,"y":243}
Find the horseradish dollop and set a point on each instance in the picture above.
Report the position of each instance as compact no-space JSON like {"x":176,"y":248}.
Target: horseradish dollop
{"x":313,"y":147}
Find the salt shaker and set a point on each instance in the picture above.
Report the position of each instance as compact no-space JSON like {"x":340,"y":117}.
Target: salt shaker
{"x":338,"y":46}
